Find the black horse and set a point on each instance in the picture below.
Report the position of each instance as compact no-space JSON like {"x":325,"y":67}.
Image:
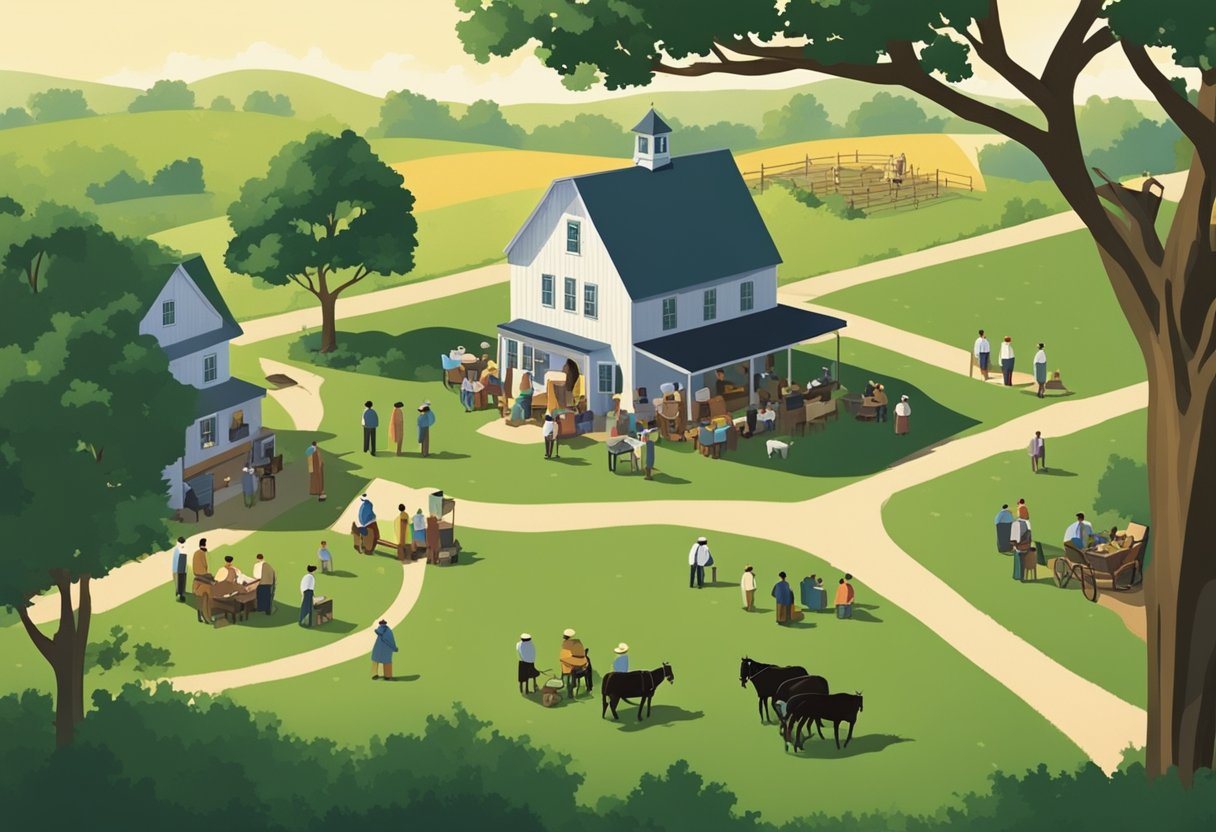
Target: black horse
{"x":835,"y":707}
{"x":641,"y":683}
{"x":790,"y":688}
{"x":765,"y":678}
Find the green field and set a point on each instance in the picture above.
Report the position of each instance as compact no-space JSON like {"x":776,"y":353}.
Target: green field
{"x":947,"y":525}
{"x":814,"y":241}
{"x":17,"y":87}
{"x":311,"y":98}
{"x":629,"y":584}
{"x":1052,"y":290}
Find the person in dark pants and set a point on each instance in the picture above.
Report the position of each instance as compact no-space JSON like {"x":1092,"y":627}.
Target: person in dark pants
{"x":371,"y":421}
{"x":179,"y":569}
{"x":308,"y":585}
{"x":549,"y":433}
{"x":263,"y":573}
{"x":698,"y":558}
{"x":1007,"y":360}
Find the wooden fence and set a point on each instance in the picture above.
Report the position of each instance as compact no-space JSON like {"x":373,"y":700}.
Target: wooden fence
{"x":869,"y":181}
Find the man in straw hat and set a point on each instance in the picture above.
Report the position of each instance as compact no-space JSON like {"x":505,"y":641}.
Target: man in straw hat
{"x":426,"y":419}
{"x":621,"y":663}
{"x":574,"y":662}
{"x":527,"y":662}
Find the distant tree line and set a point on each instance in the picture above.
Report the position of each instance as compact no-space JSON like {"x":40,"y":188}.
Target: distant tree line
{"x":148,"y":749}
{"x":184,"y":176}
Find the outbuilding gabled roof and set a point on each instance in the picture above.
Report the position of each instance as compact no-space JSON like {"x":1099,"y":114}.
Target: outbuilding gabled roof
{"x":196,"y":268}
{"x":652,"y":125}
{"x":690,"y":222}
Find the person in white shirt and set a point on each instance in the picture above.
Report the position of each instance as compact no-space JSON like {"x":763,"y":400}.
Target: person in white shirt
{"x":1007,"y":360}
{"x":698,"y":558}
{"x":1079,"y":533}
{"x":983,"y":352}
{"x":549,"y":432}
{"x":263,"y":573}
{"x":1040,"y":369}
{"x":308,"y":585}
{"x":526,"y":650}
{"x":466,"y":393}
{"x":766,"y":418}
{"x":748,"y":585}
{"x":903,"y":416}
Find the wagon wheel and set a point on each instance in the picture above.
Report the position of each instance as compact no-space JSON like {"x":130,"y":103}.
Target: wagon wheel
{"x":1089,"y":585}
{"x":1062,"y":571}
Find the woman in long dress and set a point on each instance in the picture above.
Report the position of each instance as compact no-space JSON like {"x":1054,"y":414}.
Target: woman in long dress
{"x":316,"y":471}
{"x":903,"y":416}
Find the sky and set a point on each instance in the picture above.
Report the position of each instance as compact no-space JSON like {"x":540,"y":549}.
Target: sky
{"x":380,"y":45}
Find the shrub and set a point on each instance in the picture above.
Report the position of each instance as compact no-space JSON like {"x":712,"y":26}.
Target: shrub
{"x":887,"y":114}
{"x":223,"y":104}
{"x":15,"y":117}
{"x":59,"y":105}
{"x":1012,"y":161}
{"x":148,"y":656}
{"x":110,"y":653}
{"x":1017,"y":212}
{"x":176,"y":178}
{"x":260,"y":101}
{"x":164,"y":95}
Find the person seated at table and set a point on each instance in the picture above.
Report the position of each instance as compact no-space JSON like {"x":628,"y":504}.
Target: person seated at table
{"x":869,"y":389}
{"x":766,"y":418}
{"x":1079,"y":533}
{"x":229,"y":573}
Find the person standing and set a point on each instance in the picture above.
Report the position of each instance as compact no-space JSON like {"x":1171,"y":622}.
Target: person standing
{"x":396,"y":426}
{"x":432,"y":539}
{"x":621,"y":663}
{"x":1040,"y":369}
{"x":402,"y":528}
{"x":1004,"y":524}
{"x":426,"y":420}
{"x":249,"y":486}
{"x":1007,"y":360}
{"x":366,"y":515}
{"x":549,"y":433}
{"x":698,"y":558}
{"x":466,"y":393}
{"x":784,"y":595}
{"x":179,"y":569}
{"x":383,"y":650}
{"x":647,"y":438}
{"x":748,"y":586}
{"x":419,"y":537}
{"x":1037,"y":449}
{"x":1023,"y":511}
{"x":371,"y":421}
{"x":263,"y":573}
{"x":983,"y":353}
{"x":203,"y":581}
{"x":880,"y":404}
{"x":903,"y":416}
{"x":526,"y":651}
{"x":316,"y":472}
{"x":844,"y":598}
{"x":327,"y":560}
{"x":308,"y":585}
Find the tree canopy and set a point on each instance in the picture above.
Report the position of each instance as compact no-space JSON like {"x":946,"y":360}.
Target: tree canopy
{"x":163,"y":95}
{"x":59,"y":105}
{"x":260,"y":101}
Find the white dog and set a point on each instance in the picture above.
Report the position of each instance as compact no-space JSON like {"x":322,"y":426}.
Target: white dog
{"x":776,"y":446}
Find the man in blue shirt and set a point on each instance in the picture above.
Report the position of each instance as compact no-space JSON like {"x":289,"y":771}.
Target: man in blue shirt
{"x":621,"y":663}
{"x":1004,"y":526}
{"x":1079,"y":533}
{"x":371,"y":421}
{"x":784,"y":596}
{"x":179,"y":569}
{"x":327,"y":561}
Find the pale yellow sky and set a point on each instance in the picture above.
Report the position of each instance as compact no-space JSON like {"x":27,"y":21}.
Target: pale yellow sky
{"x":372,"y":45}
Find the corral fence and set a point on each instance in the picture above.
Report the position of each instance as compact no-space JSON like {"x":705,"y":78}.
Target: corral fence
{"x":869,"y":181}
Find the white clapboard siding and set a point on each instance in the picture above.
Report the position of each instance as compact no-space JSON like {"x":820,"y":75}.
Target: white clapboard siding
{"x":195,"y":453}
{"x":193,"y":313}
{"x":188,"y":369}
{"x":690,"y":304}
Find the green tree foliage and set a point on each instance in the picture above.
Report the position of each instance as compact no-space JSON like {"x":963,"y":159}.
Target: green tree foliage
{"x":1146,"y":146}
{"x":184,"y":176}
{"x":1101,"y":121}
{"x":406,"y":114}
{"x":328,"y":214}
{"x":695,"y":138}
{"x":887,"y":114}
{"x":92,"y":418}
{"x":590,"y":133}
{"x":10,"y":206}
{"x":112,"y":652}
{"x":15,"y":117}
{"x":260,"y":101}
{"x":1011,"y":160}
{"x":150,"y":657}
{"x":802,"y":119}
{"x":1018,"y":211}
{"x":59,"y":105}
{"x":163,"y":95}
{"x":222,"y":104}
{"x":1123,"y":490}
{"x":484,"y":122}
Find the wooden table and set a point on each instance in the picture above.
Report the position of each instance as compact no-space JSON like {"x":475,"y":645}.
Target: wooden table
{"x":238,"y":606}
{"x":323,"y":611}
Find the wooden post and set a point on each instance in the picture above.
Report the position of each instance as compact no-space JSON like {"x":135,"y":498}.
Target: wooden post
{"x":937,"y":187}
{"x":807,"y":172}
{"x":762,"y":177}
{"x":856,"y":156}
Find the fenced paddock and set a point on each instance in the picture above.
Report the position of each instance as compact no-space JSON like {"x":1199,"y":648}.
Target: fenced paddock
{"x":869,"y":181}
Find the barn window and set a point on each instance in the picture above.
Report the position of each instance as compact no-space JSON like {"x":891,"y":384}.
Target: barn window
{"x":168,"y":313}
{"x":574,"y":236}
{"x":570,"y":296}
{"x":747,"y":296}
{"x":711,"y":304}
{"x":669,"y":313}
{"x":591,"y":300}
{"x":607,"y":377}
{"x":660,"y":144}
{"x":546,"y":290}
{"x":643,"y":144}
{"x":210,"y":368}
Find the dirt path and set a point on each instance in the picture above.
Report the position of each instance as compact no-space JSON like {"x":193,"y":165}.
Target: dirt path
{"x":301,"y":401}
{"x":1102,"y":729}
{"x":345,"y":649}
{"x":287,"y":323}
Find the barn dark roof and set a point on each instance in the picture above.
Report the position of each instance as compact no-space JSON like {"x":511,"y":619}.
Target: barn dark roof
{"x":652,"y":125}
{"x":691,"y":222}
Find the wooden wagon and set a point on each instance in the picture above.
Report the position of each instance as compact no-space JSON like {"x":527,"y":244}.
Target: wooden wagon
{"x":1116,"y":571}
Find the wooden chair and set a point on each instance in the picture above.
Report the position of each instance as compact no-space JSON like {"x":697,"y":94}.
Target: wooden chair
{"x":1030,"y":563}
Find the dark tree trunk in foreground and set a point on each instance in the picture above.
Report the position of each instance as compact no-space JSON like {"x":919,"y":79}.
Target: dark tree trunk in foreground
{"x":329,"y":323}
{"x":65,"y":654}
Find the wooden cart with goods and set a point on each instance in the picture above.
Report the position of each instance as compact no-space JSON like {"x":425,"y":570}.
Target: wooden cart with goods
{"x":1117,"y":571}
{"x":444,"y":508}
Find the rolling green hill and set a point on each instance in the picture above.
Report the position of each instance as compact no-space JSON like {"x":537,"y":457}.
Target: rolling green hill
{"x":17,"y":87}
{"x":311,"y":98}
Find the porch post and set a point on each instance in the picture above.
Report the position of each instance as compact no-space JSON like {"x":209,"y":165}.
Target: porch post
{"x":751,"y":380}
{"x":688,"y":397}
{"x":836,"y":373}
{"x":789,"y":365}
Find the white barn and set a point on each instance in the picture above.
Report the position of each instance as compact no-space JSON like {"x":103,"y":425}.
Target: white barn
{"x":193,"y":325}
{"x":661,"y":272}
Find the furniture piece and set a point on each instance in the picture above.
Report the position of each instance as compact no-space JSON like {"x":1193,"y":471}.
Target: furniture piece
{"x":822,"y":391}
{"x":818,"y":411}
{"x":236,"y":606}
{"x":323,"y":611}
{"x":622,"y":446}
{"x":851,"y":402}
{"x":792,"y":421}
{"x":565,"y":424}
{"x":200,"y":495}
{"x":1030,"y":564}
{"x":1118,"y":571}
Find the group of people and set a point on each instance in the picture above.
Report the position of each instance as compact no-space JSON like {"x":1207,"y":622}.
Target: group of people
{"x":983,"y":356}
{"x":416,"y":533}
{"x":875,"y":395}
{"x":396,"y":427}
{"x":572,"y":657}
{"x":229,"y":579}
{"x":1013,"y":533}
{"x":814,"y":596}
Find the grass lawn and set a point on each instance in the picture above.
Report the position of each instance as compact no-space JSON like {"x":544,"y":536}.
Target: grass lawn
{"x":947,"y":525}
{"x":1017,"y":292}
{"x":444,"y":246}
{"x":802,"y":234}
{"x":475,"y":466}
{"x":629,"y":585}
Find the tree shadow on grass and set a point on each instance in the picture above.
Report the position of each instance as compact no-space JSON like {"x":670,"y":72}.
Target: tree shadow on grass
{"x":825,"y":749}
{"x":660,"y":715}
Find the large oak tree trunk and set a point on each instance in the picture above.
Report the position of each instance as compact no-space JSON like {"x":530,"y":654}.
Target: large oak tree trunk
{"x":329,"y":324}
{"x":65,"y":654}
{"x":1180,"y":584}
